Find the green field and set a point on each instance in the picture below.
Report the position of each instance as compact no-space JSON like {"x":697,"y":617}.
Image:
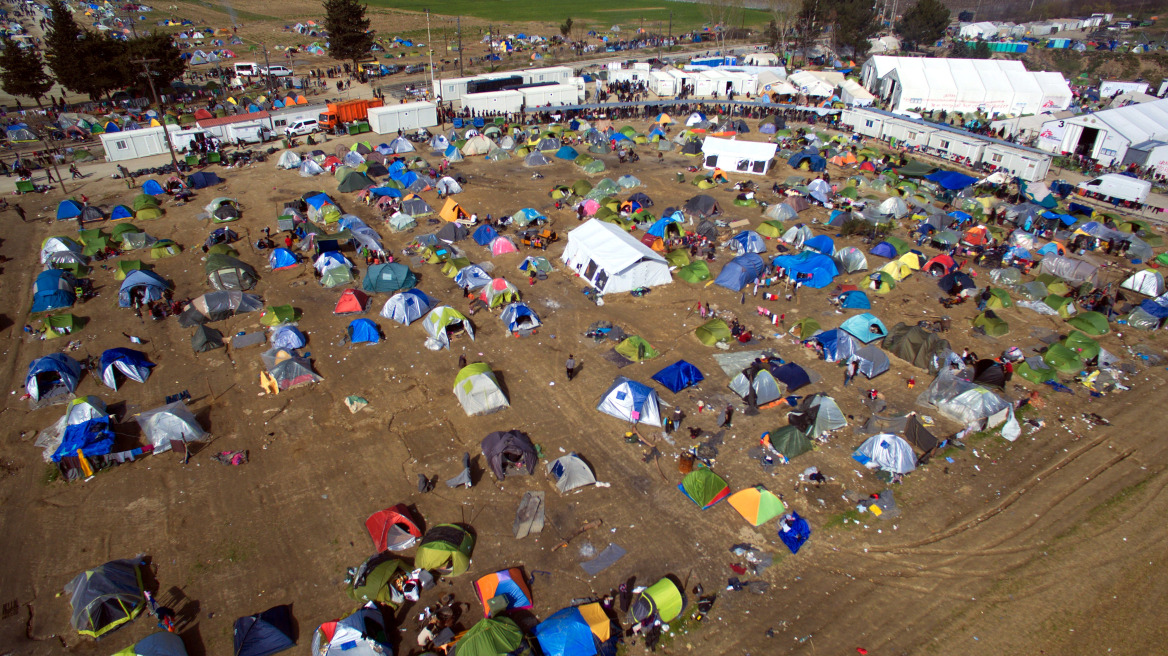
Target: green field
{"x":629,"y":14}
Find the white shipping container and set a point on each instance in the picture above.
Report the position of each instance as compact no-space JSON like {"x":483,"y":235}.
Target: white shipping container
{"x":502,"y":102}
{"x":406,"y":117}
{"x":554,"y":95}
{"x":132,"y":144}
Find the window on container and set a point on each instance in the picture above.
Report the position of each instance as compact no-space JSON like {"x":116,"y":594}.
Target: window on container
{"x":120,"y":145}
{"x":868,"y":124}
{"x":944,"y":145}
{"x":996,"y":158}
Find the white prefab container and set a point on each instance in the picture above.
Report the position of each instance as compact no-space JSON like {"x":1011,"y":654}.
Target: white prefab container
{"x":282,"y":118}
{"x":553,"y":74}
{"x":502,"y":102}
{"x":1111,"y":88}
{"x":406,"y":117}
{"x":628,"y":75}
{"x":956,"y":145}
{"x":1023,"y":162}
{"x":132,"y":144}
{"x":554,"y":95}
{"x":867,"y":124}
{"x":248,"y":132}
{"x":738,"y":156}
{"x":662,"y":84}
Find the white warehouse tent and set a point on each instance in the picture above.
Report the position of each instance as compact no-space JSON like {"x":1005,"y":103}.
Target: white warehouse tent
{"x":612,"y":260}
{"x":996,"y":86}
{"x":741,"y":156}
{"x":1106,"y":136}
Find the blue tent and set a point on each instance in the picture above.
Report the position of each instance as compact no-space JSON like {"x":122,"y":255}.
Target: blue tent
{"x":53,"y":289}
{"x":820,"y":244}
{"x":203,"y":179}
{"x":152,"y":187}
{"x":92,"y":438}
{"x":678,"y":376}
{"x":484,"y":235}
{"x":1153,"y":308}
{"x":1066,"y":219}
{"x":618,"y":136}
{"x":151,"y":284}
{"x":330,"y":259}
{"x":288,"y":338}
{"x":838,"y":346}
{"x":955,"y":279}
{"x":389,"y":277}
{"x":265,"y":633}
{"x":282,"y":258}
{"x":951,"y":180}
{"x":407,"y":178}
{"x":740,"y":271}
{"x":855,"y":300}
{"x":813,"y":269}
{"x":49,"y":372}
{"x":519,"y":316}
{"x":884,"y":249}
{"x":130,"y":363}
{"x":121,"y":212}
{"x":385,"y":191}
{"x":661,"y":225}
{"x":750,"y":241}
{"x":472,"y":277}
{"x":567,"y":152}
{"x":791,"y":375}
{"x":69,"y":209}
{"x":363,"y":331}
{"x":318,"y":201}
{"x":814,"y":161}
{"x":797,"y":532}
{"x":566,"y":633}
{"x":864,"y":327}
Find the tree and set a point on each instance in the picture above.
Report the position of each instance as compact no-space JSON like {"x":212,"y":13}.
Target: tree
{"x":981,"y":51}
{"x":782,"y":15}
{"x":167,"y":67}
{"x":348,"y":29}
{"x":22,"y":72}
{"x":566,"y":28}
{"x":924,"y":22}
{"x":103,"y":57}
{"x":773,"y":38}
{"x":853,"y":22}
{"x":809,"y":23}
{"x":722,"y":14}
{"x":62,"y":43}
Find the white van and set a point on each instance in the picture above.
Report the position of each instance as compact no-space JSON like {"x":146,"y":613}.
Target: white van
{"x":278,"y":71}
{"x":246,"y":69}
{"x":302,"y":126}
{"x":1119,"y":187}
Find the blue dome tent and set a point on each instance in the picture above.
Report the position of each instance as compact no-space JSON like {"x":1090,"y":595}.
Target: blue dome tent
{"x":69,"y":209}
{"x":740,"y":271}
{"x":519,"y":317}
{"x":484,"y":235}
{"x":864,"y":327}
{"x":153,"y":188}
{"x":855,"y":300}
{"x":151,"y":285}
{"x":53,"y":289}
{"x":749,"y":241}
{"x":51,"y":373}
{"x":884,"y":249}
{"x":363,"y":331}
{"x":813,"y":269}
{"x":282,"y":258}
{"x":679,"y":376}
{"x":134,"y":365}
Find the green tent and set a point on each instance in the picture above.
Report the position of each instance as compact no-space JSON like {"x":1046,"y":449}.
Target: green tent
{"x":900,"y":245}
{"x":278,"y":315}
{"x":791,"y":441}
{"x":143,"y":201}
{"x":375,"y":581}
{"x":493,"y":636}
{"x":60,"y":325}
{"x":96,"y":245}
{"x":148,"y":214}
{"x":663,"y":598}
{"x":881,"y":282}
{"x":677,"y":258}
{"x":1092,"y":323}
{"x":636,"y":349}
{"x":694,"y":272}
{"x":1082,"y":345}
{"x":805,"y":328}
{"x":105,"y":597}
{"x":92,"y":234}
{"x":595,"y":166}
{"x":124,"y":267}
{"x":121,"y":229}
{"x":992,"y":324}
{"x":1033,"y":374}
{"x":1062,"y":359}
{"x":223,"y":249}
{"x":704,"y":487}
{"x":446,"y":548}
{"x":336,"y":276}
{"x":771,"y":229}
{"x":999,"y":298}
{"x":581,"y":188}
{"x":355,"y":181}
{"x":1059,"y":287}
{"x":1060,"y":304}
{"x":164,"y":248}
{"x":713,"y":331}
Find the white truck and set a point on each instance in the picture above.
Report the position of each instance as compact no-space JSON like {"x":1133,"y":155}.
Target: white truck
{"x":1116,"y":186}
{"x":246,"y":69}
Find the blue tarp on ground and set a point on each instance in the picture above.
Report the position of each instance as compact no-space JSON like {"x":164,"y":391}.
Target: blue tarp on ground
{"x":815,"y":270}
{"x":678,"y":376}
{"x":855,"y":300}
{"x":152,"y":187}
{"x":864,"y":327}
{"x":484,"y":235}
{"x":820,"y":244}
{"x":52,"y":290}
{"x":363,"y":331}
{"x":797,"y":532}
{"x":951,"y":180}
{"x":92,"y":438}
{"x":318,"y":201}
{"x":740,"y":271}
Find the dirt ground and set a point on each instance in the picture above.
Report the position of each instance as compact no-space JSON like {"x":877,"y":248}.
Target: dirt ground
{"x":1052,"y":544}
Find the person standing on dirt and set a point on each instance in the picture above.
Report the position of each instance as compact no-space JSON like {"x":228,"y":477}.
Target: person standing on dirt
{"x":461,"y":362}
{"x":570,"y":366}
{"x":850,"y":372}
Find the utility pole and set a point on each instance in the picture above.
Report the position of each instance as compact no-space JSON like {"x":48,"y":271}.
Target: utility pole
{"x":430,"y":47}
{"x":460,"y":58}
{"x":267,"y":72}
{"x":53,"y":159}
{"x":671,"y":29}
{"x":162,"y":113}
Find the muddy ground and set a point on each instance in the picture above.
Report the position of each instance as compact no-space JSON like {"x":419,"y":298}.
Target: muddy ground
{"x":1051,"y":544}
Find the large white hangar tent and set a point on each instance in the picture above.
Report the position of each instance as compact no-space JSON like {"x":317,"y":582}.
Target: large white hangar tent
{"x":1136,"y":134}
{"x":612,"y":260}
{"x":964,"y":85}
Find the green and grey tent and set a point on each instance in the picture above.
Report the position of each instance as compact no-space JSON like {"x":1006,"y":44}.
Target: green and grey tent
{"x":636,"y":349}
{"x":992,"y":324}
{"x":790,"y":441}
{"x":446,"y":549}
{"x":492,"y":636}
{"x":378,"y":580}
{"x":478,"y":390}
{"x":712,"y":332}
{"x":1092,"y":323}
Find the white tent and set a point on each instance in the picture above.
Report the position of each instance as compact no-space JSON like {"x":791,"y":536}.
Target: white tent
{"x":288,"y":160}
{"x":612,"y":260}
{"x":570,"y":473}
{"x":740,"y":156}
{"x":477,"y":145}
{"x":309,"y":168}
{"x":631,"y":401}
{"x":888,"y":452}
{"x":170,"y":422}
{"x":478,"y":390}
{"x":1146,"y":282}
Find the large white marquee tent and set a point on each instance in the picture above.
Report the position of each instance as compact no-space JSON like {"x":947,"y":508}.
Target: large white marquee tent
{"x":964,"y":85}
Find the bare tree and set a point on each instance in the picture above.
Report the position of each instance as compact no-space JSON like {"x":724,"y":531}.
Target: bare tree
{"x":723,"y":13}
{"x":783,"y":12}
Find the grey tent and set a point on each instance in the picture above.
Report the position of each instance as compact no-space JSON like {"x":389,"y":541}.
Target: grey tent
{"x":217,"y":306}
{"x":289,"y":369}
{"x":206,"y":339}
{"x":817,"y":414}
{"x":225,"y":273}
{"x":536,"y":158}
{"x":416,"y":207}
{"x":871,"y":361}
{"x":1069,"y":269}
{"x":703,"y":206}
{"x":509,"y":452}
{"x":887,"y":452}
{"x":964,"y":402}
{"x":917,"y":346}
{"x":171,"y":423}
{"x":758,"y":386}
{"x":453,"y":232}
{"x":707,"y":229}
{"x":570,"y":473}
{"x":850,"y":259}
{"x":105,"y":597}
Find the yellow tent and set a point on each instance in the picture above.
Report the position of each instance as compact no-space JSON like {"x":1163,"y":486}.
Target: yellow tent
{"x":452,"y":212}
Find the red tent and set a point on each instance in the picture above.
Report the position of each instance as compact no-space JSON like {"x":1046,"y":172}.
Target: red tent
{"x":393,"y":529}
{"x":352,"y":302}
{"x":943,"y":263}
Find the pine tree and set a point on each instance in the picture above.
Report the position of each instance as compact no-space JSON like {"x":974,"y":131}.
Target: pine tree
{"x":62,"y":48}
{"x":104,"y":69}
{"x":853,"y":23}
{"x":167,"y":67}
{"x":22,"y":72}
{"x":348,"y":30}
{"x":924,"y":22}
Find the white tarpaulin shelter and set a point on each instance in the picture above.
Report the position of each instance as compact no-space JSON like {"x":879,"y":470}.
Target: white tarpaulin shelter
{"x":612,"y":260}
{"x":740,"y":156}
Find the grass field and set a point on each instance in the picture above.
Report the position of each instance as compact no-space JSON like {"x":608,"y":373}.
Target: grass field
{"x":629,"y":14}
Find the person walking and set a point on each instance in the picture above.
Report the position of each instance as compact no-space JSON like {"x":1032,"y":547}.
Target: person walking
{"x":570,"y":366}
{"x":727,"y":416}
{"x":850,"y":372}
